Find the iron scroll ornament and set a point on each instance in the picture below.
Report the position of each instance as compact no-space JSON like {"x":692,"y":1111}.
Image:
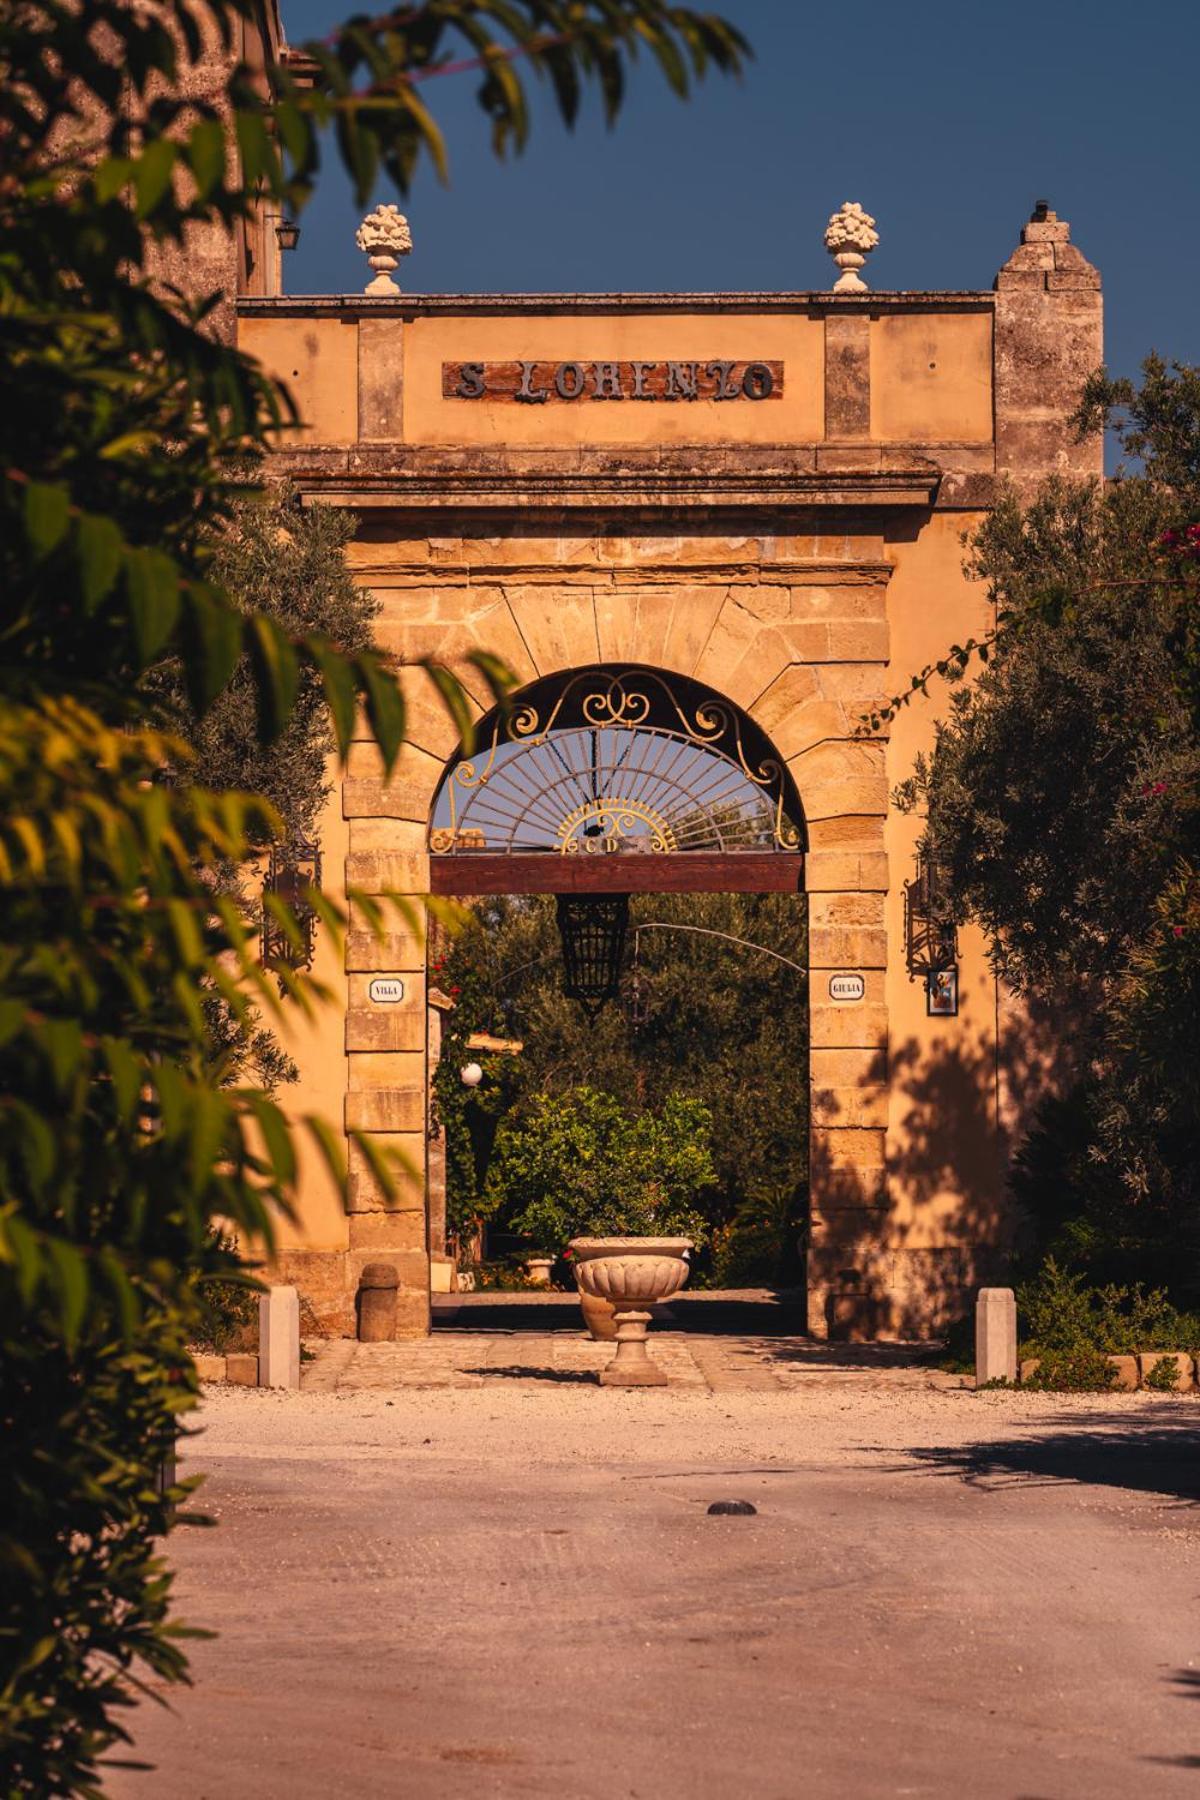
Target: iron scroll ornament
{"x":617,"y":759}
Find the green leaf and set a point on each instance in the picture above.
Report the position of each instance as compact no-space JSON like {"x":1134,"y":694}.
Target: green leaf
{"x":341,"y":693}
{"x":213,"y":632}
{"x":152,"y":587}
{"x":62,"y":1041}
{"x":71,"y":1279}
{"x":254,"y":143}
{"x":277,"y":1139}
{"x":385,"y":708}
{"x":152,"y":173}
{"x":98,"y":553}
{"x":47,"y":512}
{"x":111,"y":175}
{"x":278,"y":673}
{"x":125,"y":1072}
{"x":19,"y":1246}
{"x":454,"y":697}
{"x":330,"y":1147}
{"x":206,"y":155}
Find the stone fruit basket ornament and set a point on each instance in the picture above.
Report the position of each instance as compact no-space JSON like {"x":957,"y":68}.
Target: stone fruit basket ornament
{"x":384,"y":237}
{"x":850,"y":237}
{"x":631,"y":1273}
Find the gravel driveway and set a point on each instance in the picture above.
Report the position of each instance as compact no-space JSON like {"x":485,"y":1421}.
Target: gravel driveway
{"x":515,"y":1589}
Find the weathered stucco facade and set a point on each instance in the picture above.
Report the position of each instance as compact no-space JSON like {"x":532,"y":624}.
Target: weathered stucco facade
{"x":799,"y":553}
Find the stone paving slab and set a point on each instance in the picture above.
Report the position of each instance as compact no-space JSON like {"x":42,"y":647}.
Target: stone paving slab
{"x":721,"y":1364}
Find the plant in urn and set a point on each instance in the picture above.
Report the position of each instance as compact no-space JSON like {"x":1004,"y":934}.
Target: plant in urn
{"x":622,"y":1188}
{"x":850,"y":237}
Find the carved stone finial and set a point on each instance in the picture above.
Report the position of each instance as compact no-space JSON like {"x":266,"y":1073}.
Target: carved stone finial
{"x":384,"y":237}
{"x":850,"y":236}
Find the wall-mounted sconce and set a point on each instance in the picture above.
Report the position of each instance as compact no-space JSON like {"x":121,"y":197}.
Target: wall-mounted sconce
{"x":931,"y":937}
{"x":294,"y":868}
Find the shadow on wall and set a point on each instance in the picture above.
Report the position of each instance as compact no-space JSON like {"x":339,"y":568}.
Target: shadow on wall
{"x":907,"y":1244}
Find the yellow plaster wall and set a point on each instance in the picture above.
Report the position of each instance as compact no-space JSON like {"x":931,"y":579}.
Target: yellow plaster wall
{"x":931,"y":377}
{"x":430,"y":340}
{"x":945,"y":1151}
{"x":318,"y":1049}
{"x":317,"y":360}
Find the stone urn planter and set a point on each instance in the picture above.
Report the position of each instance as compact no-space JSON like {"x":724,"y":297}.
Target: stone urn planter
{"x":538,"y":1269}
{"x":631,"y":1274}
{"x":597,"y":1316}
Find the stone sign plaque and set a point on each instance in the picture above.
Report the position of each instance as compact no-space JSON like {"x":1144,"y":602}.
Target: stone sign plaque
{"x":385,"y":990}
{"x":540,"y":383}
{"x":847,"y":987}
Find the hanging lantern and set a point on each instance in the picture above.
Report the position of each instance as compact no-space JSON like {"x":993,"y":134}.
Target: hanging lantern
{"x":931,"y":938}
{"x":592,"y":928}
{"x":930,"y":932}
{"x":294,"y":868}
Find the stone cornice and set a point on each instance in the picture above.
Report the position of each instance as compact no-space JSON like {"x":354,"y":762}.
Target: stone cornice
{"x":415,"y":305}
{"x":407,"y":477}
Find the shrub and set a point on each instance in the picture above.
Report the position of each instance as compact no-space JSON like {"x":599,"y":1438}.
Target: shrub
{"x":582,"y":1166}
{"x":1081,"y":1370}
{"x":228,"y":1303}
{"x":1163,"y":1376}
{"x":1061,"y":1312}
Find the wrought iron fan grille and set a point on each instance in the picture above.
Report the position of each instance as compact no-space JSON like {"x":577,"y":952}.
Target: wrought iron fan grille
{"x":617,"y":760}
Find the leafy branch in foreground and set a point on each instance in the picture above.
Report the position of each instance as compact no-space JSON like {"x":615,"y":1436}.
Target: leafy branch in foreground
{"x":125,"y":439}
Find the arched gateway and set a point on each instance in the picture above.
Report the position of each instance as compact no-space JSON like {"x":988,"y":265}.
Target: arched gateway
{"x":702,"y":593}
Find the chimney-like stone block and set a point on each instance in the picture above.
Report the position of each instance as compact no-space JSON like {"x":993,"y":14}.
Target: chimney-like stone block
{"x":1049,"y":338}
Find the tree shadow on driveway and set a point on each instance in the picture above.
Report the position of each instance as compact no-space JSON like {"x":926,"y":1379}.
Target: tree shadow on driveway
{"x":1109,"y":1450}
{"x":533,"y":1372}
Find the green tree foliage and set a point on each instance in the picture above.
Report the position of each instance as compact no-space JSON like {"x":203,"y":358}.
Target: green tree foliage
{"x":576,"y":1164}
{"x":1063,"y":805}
{"x":284,"y":562}
{"x":125,"y":436}
{"x":723,"y":1024}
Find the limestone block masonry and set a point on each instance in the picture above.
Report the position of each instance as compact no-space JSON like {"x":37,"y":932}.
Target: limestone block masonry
{"x":799,"y":559}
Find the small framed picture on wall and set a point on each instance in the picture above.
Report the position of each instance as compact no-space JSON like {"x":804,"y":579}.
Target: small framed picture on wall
{"x":941,"y":994}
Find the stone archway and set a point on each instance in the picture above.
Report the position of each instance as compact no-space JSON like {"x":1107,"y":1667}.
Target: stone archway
{"x":835,"y":794}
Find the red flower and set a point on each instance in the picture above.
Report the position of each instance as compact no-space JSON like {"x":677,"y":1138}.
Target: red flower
{"x":1178,"y":930}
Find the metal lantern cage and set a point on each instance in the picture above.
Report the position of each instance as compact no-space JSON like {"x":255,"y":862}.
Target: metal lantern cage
{"x":931,"y":936}
{"x":295,"y":866}
{"x":593,"y":929}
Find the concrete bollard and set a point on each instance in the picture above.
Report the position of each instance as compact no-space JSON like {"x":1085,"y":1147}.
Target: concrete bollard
{"x":377,"y":1303}
{"x":995,"y":1335}
{"x":279,"y":1338}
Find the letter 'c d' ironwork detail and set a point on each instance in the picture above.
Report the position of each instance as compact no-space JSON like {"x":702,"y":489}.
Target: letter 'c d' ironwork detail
{"x":617,"y":760}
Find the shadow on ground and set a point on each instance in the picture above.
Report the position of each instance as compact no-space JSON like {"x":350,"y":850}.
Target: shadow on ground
{"x":1113,"y":1450}
{"x":531,"y":1372}
{"x":812,"y":1354}
{"x":1187,"y":1684}
{"x":756,"y":1314}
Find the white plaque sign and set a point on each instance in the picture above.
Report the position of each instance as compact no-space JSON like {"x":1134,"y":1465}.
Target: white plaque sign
{"x":385,"y":990}
{"x":846,"y":987}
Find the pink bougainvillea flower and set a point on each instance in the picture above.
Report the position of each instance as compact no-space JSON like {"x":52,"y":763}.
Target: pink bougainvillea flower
{"x":1178,"y":930}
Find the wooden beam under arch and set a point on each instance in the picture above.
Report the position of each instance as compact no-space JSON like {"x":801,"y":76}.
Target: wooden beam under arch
{"x":681,"y":872}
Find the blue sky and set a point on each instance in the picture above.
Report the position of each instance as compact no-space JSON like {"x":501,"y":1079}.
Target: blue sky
{"x":947,"y":121}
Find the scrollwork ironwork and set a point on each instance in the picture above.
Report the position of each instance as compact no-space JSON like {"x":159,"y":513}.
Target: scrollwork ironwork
{"x":581,"y":763}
